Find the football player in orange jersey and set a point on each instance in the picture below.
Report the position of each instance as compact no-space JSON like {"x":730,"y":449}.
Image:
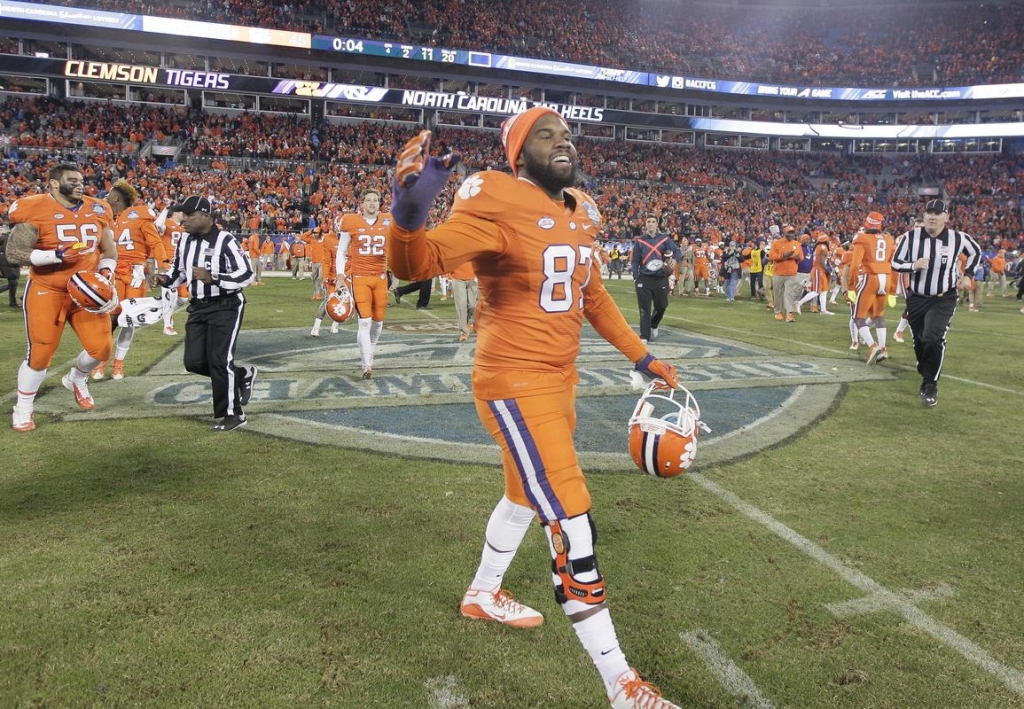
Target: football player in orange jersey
{"x":530,"y":237}
{"x":362,"y":256}
{"x":870,"y":264}
{"x":701,"y":267}
{"x":818,"y":287}
{"x":57,"y":234}
{"x":140,"y":256}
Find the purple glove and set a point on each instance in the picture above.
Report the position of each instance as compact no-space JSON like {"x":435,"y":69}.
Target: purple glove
{"x":419,"y":179}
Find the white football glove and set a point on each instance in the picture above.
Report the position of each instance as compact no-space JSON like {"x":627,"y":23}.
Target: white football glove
{"x":112,"y":303}
{"x":138,"y":275}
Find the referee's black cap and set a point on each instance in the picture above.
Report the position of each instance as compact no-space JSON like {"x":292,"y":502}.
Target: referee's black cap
{"x":936,"y":206}
{"x":193,"y":204}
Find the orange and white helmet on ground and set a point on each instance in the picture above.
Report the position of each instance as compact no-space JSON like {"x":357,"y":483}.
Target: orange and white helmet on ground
{"x":663,"y":430}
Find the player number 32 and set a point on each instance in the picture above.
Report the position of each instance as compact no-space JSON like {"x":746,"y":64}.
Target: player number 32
{"x":560,"y":264}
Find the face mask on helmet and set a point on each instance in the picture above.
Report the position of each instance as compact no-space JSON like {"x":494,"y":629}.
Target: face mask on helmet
{"x":663,"y":431}
{"x":340,"y":305}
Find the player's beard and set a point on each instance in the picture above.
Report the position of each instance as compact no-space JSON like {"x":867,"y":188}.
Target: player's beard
{"x":547,"y":176}
{"x":68,"y":193}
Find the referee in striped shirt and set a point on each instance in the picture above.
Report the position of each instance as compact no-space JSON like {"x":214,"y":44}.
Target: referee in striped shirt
{"x":931,"y":255}
{"x":216,"y":268}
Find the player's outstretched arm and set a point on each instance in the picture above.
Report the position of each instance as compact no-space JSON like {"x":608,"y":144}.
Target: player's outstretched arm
{"x":419,"y":179}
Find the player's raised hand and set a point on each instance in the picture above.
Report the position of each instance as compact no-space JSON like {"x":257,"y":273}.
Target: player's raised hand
{"x":419,"y":179}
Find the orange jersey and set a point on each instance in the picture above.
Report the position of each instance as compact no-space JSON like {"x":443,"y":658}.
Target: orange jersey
{"x":137,"y":239}
{"x":60,"y":227}
{"x":872,"y":253}
{"x":700,"y":256}
{"x":330,"y":255}
{"x":173,"y":234}
{"x":367,"y":246}
{"x":534,"y":259}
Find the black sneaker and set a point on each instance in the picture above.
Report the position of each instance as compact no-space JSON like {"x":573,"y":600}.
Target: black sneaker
{"x":930,"y":394}
{"x":229,"y":423}
{"x":398,"y":297}
{"x":245,"y":389}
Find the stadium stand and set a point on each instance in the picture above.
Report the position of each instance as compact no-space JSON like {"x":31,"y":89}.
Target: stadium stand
{"x":952,"y":44}
{"x":277,"y":180}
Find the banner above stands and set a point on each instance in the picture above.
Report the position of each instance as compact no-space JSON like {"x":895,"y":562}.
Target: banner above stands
{"x":11,"y":9}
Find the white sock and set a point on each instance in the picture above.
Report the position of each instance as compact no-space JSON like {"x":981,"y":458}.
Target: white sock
{"x":364,"y":342}
{"x":810,"y":296}
{"x":902,"y":326}
{"x":505,"y":532}
{"x":881,"y":332}
{"x":83,"y":365}
{"x":597,"y":635}
{"x":375,"y":329}
{"x":865,"y":335}
{"x":124,"y":342}
{"x":822,"y":299}
{"x":853,"y":331}
{"x":29,"y":381}
{"x":316,"y":323}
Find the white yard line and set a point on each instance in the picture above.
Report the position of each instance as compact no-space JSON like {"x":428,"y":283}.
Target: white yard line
{"x":445,"y":693}
{"x":889,"y":600}
{"x":728,"y":674}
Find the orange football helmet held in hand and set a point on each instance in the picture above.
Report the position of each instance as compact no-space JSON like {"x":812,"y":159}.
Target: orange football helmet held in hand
{"x":92,"y":292}
{"x":663,"y":430}
{"x":340,"y":305}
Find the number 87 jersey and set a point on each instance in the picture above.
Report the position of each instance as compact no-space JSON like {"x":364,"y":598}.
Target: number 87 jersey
{"x":60,"y":227}
{"x":535,"y":262}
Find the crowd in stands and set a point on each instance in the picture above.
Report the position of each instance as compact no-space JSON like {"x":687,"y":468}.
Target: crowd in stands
{"x":908,"y":45}
{"x":274,"y":172}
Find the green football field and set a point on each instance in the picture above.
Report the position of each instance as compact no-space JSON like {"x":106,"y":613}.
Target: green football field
{"x":869,"y":558}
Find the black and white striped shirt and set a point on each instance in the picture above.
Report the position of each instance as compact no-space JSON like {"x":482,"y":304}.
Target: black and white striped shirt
{"x":943,"y":254}
{"x":221,"y":253}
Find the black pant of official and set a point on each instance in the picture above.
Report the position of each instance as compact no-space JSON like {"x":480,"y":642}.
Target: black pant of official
{"x":423,"y":299}
{"x":651,"y":293}
{"x":211,"y":332}
{"x":929,"y":318}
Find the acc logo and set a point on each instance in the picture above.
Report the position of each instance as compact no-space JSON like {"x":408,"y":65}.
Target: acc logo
{"x":875,"y":93}
{"x":55,"y":216}
{"x":98,"y":209}
{"x":546,"y":223}
{"x":471,"y":186}
{"x":591,"y":210}
{"x":133,"y":214}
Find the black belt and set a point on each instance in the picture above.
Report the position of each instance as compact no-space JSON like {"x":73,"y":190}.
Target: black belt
{"x":213,"y":299}
{"x":950,"y":292}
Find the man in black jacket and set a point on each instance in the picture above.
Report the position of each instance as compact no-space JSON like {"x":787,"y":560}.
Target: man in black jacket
{"x":651,"y":268}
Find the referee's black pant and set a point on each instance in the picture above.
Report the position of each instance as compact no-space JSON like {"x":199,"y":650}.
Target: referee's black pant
{"x":211,"y":332}
{"x":929,"y":318}
{"x":652,"y":297}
